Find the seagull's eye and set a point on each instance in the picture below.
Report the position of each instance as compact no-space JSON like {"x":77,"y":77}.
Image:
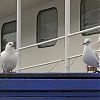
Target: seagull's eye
{"x":88,"y":41}
{"x":10,"y":44}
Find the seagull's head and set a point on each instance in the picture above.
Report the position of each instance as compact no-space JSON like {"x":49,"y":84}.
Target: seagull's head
{"x":87,"y":41}
{"x":9,"y":45}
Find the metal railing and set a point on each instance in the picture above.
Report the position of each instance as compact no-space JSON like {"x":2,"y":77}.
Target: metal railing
{"x":66,"y":37}
{"x":42,"y":64}
{"x":51,"y":40}
{"x":59,"y":38}
{"x":30,"y":46}
{"x":83,"y":31}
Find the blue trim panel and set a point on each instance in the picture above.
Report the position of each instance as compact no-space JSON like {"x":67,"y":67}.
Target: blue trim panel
{"x":50,"y":84}
{"x":50,"y":94}
{"x":49,"y":98}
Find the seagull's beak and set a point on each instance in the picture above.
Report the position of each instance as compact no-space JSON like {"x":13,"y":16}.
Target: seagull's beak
{"x":83,"y":43}
{"x":13,"y":45}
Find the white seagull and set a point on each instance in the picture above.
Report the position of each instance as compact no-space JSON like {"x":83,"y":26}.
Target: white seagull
{"x":90,"y":56}
{"x":9,"y":58}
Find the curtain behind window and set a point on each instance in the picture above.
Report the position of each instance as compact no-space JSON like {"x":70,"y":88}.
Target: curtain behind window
{"x":8,"y":34}
{"x":47,"y":26}
{"x":90,"y":15}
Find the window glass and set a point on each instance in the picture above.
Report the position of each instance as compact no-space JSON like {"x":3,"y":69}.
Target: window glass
{"x":90,"y":15}
{"x":8,"y":34}
{"x":47,"y":26}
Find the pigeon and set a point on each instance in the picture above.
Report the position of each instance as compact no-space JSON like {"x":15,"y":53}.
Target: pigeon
{"x":9,"y":58}
{"x":90,"y":56}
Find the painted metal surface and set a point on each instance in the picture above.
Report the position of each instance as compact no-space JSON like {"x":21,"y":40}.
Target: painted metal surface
{"x":49,"y":84}
{"x":53,"y":87}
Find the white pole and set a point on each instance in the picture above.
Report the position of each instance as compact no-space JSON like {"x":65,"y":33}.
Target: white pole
{"x":99,"y":53}
{"x":18,"y":32}
{"x":67,"y":31}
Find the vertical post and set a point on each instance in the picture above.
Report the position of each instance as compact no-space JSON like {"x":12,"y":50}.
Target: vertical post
{"x":99,"y":52}
{"x":18,"y":32}
{"x":67,"y":31}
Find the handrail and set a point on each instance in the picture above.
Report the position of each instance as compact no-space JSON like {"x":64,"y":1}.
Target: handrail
{"x":42,"y":64}
{"x":62,"y":37}
{"x":51,"y":40}
{"x":75,"y":56}
{"x":47,"y":63}
{"x":83,"y":31}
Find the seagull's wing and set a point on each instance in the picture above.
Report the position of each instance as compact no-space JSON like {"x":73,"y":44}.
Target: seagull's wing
{"x":96,"y":55}
{"x":97,"y":59}
{"x":1,"y":60}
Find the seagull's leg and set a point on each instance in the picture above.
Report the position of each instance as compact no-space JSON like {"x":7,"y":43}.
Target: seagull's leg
{"x":87,"y":68}
{"x":96,"y":71}
{"x":4,"y":71}
{"x":11,"y":71}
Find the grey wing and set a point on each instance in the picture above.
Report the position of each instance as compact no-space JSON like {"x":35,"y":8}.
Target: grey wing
{"x":17,"y":54}
{"x":97,"y":55}
{"x":0,"y":60}
{"x":1,"y":63}
{"x":97,"y":59}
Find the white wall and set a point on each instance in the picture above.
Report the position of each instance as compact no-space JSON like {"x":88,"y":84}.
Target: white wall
{"x":35,"y":55}
{"x":76,"y":46}
{"x":41,"y":55}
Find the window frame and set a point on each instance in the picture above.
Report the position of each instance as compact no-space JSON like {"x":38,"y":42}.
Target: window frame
{"x":81,"y":22}
{"x":2,"y":34}
{"x":37,"y":33}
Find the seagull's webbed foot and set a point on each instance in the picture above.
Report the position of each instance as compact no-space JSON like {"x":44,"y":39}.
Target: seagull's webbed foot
{"x":97,"y":71}
{"x":4,"y":72}
{"x":12,"y":72}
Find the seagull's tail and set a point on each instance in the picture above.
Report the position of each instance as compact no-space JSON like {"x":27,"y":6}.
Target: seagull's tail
{"x":98,"y":69}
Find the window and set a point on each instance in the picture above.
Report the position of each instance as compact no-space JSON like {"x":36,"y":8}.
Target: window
{"x":47,"y":26}
{"x":8,"y":33}
{"x":90,"y":15}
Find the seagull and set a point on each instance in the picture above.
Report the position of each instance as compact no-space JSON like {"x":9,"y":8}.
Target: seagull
{"x":97,"y":43}
{"x":90,"y":56}
{"x":9,"y":58}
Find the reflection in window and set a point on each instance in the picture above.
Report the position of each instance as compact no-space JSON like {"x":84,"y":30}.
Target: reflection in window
{"x":90,"y":15}
{"x":8,"y":34}
{"x":47,"y":26}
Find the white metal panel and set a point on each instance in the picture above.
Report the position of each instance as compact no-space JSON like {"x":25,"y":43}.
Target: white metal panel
{"x":9,"y":7}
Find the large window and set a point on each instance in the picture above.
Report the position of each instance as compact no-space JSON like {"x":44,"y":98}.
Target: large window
{"x":47,"y":26}
{"x":8,"y":33}
{"x":90,"y":15}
